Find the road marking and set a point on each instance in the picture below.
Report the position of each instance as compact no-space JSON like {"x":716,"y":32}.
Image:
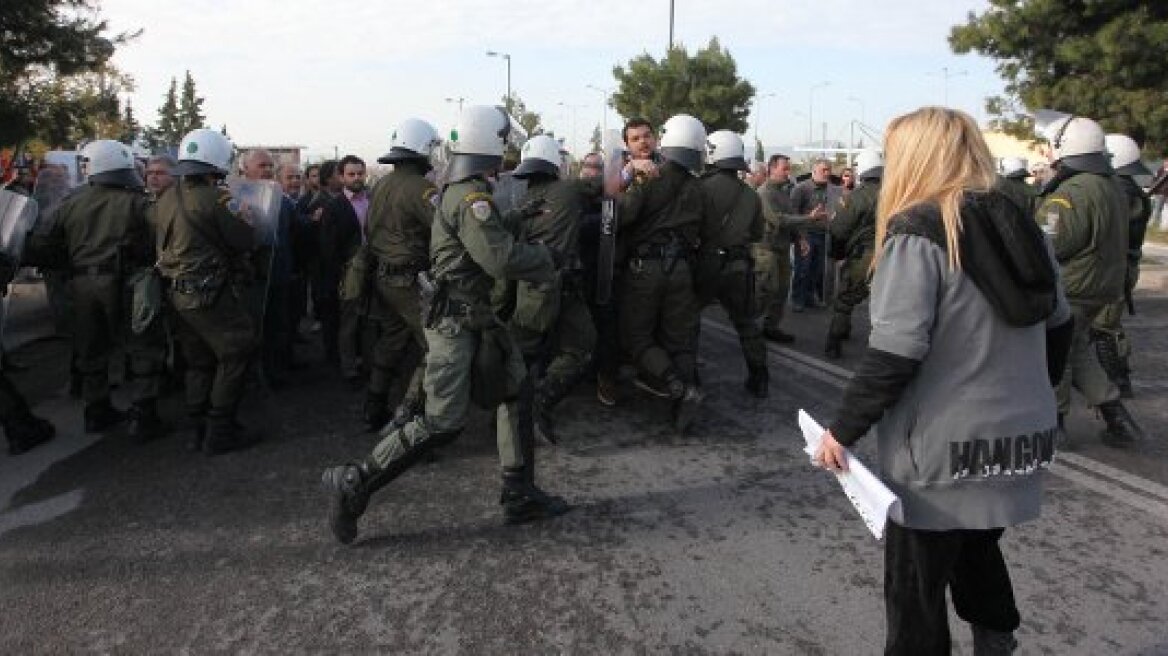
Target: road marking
{"x":1139,"y":493}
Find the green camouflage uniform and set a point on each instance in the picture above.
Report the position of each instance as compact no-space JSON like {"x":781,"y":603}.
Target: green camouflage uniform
{"x":105,"y":240}
{"x":772,"y":257}
{"x":853,"y":237}
{"x":203,"y":252}
{"x":1086,"y":215}
{"x":401,"y":211}
{"x":726,"y":266}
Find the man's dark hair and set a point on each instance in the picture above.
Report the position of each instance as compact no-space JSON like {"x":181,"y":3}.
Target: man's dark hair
{"x":349,"y":159}
{"x":635,"y":122}
{"x":310,"y":169}
{"x":328,"y":169}
{"x":775,"y":159}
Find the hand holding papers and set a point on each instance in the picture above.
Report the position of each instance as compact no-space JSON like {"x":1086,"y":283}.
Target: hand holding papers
{"x":872,"y":499}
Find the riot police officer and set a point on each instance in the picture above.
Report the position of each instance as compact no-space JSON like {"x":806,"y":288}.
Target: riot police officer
{"x":1110,"y":341}
{"x":202,"y":239}
{"x":660,"y":222}
{"x":725,"y":261}
{"x":551,"y":322}
{"x":853,"y":240}
{"x":1012,"y":182}
{"x":24,"y":430}
{"x":401,"y":210}
{"x":103,"y":238}
{"x":471,"y":355}
{"x":1086,"y":213}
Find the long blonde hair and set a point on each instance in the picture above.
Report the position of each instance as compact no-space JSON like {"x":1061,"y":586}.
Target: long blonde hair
{"x":934,"y":154}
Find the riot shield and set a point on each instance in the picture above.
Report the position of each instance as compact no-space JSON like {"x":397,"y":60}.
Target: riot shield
{"x":259,"y":201}
{"x":614,"y":157}
{"x":54,"y":183}
{"x":18,"y":215}
{"x":509,"y":192}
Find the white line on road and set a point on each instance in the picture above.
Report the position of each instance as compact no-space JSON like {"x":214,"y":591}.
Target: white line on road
{"x":1108,"y":481}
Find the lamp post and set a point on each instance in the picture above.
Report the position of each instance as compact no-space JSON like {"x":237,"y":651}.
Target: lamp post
{"x":758,"y":112}
{"x":852,"y":129}
{"x":507,"y":57}
{"x":458,"y":100}
{"x":670,"y":25}
{"x":811,"y":111}
{"x":604,"y":107}
{"x":944,"y":74}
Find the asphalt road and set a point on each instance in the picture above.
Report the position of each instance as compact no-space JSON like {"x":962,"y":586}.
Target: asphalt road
{"x":721,"y":541}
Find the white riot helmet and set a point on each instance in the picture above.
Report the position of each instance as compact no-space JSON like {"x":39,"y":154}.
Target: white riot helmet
{"x":204,"y":151}
{"x":541,"y":154}
{"x":477,"y":141}
{"x":1125,"y":155}
{"x":727,"y":151}
{"x":109,"y":162}
{"x":414,"y":139}
{"x":1014,"y":167}
{"x":683,"y":141}
{"x":869,"y":164}
{"x":1078,"y":144}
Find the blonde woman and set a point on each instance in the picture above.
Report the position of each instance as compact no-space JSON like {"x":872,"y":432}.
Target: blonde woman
{"x":968,"y":324}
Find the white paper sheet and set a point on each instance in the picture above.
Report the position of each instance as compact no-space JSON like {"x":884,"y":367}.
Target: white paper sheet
{"x":872,"y":499}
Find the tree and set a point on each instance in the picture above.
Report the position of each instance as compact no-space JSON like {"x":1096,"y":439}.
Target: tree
{"x":759,"y":153}
{"x":131,"y":129}
{"x":1098,"y":59}
{"x":705,"y":86}
{"x":167,"y":133}
{"x":597,"y":140}
{"x":48,"y":44}
{"x":528,"y":120}
{"x":190,"y":108}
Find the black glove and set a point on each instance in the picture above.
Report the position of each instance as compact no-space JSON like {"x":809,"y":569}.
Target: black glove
{"x":531,"y":208}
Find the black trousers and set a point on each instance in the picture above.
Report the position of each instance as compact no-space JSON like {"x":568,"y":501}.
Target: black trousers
{"x":919,"y":565}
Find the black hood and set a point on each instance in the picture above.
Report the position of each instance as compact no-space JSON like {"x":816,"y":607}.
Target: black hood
{"x":1003,"y":252}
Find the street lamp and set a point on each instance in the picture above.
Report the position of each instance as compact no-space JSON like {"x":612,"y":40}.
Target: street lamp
{"x":604,"y":108}
{"x":811,"y":111}
{"x":861,"y":104}
{"x":573,"y":108}
{"x":492,"y":53}
{"x":458,"y":100}
{"x":944,"y":74}
{"x":758,"y":112}
{"x":852,"y":129}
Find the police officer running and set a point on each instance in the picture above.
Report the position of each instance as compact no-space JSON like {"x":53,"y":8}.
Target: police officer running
{"x":725,"y":261}
{"x":853,"y":240}
{"x":401,"y":210}
{"x":471,"y":355}
{"x":1086,"y":213}
{"x":203,"y":238}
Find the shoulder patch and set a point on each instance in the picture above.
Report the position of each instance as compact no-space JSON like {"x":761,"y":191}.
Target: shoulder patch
{"x":1059,"y":200}
{"x":476,"y":196}
{"x":481,"y":209}
{"x":233,"y":205}
{"x":431,"y":196}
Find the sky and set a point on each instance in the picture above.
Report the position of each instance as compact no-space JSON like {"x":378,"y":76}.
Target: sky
{"x":337,"y":76}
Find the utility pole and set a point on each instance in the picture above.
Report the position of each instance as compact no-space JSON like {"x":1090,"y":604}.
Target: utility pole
{"x":507,"y":58}
{"x":670,"y":25}
{"x":758,"y":112}
{"x":458,"y":100}
{"x":944,"y":74}
{"x":811,"y":111}
{"x":604,"y":107}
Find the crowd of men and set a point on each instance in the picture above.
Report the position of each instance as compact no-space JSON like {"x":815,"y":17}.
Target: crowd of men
{"x":508,"y":282}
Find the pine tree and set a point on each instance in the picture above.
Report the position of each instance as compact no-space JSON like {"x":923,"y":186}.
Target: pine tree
{"x":190,"y":108}
{"x":167,"y":134}
{"x":131,"y":129}
{"x":597,"y":140}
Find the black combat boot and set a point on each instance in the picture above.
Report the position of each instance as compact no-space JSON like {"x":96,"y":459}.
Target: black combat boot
{"x":225,"y":434}
{"x":758,"y":382}
{"x":1122,"y":429}
{"x":145,"y":425}
{"x":27,"y":432}
{"x":839,"y":330}
{"x":988,"y":642}
{"x":687,"y":400}
{"x":1107,"y":348}
{"x":349,"y":488}
{"x":834,"y":347}
{"x":375,"y":414}
{"x":524,"y":502}
{"x":101,"y":415}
